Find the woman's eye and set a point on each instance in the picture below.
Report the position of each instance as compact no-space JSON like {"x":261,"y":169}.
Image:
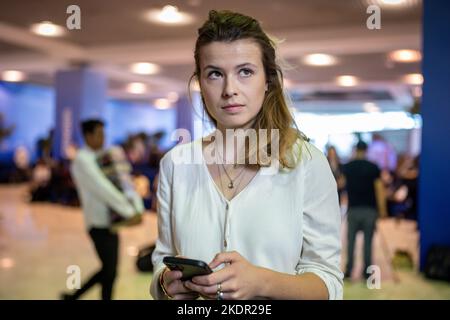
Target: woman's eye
{"x":245,"y":72}
{"x":214,"y":74}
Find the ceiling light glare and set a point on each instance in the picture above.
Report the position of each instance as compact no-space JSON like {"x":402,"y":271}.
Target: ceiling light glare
{"x":136,"y":88}
{"x":47,"y":29}
{"x":145,"y":68}
{"x":319,"y":60}
{"x":13,"y":76}
{"x":347,"y":81}
{"x":170,"y":15}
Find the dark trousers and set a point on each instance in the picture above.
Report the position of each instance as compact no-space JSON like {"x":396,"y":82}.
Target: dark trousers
{"x":106,"y":245}
{"x":360,"y":219}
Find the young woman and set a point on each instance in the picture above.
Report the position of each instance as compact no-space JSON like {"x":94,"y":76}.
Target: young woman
{"x":265,"y":233}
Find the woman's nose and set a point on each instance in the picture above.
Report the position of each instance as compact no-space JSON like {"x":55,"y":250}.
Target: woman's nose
{"x":229,"y":89}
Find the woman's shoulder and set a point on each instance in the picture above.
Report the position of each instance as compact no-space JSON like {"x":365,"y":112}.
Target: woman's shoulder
{"x":304,"y":152}
{"x":181,"y":154}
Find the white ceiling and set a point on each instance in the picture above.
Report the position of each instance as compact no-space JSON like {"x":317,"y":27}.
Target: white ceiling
{"x":114,"y":34}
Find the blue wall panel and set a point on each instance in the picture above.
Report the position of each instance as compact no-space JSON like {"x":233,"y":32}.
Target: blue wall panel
{"x":434,"y":181}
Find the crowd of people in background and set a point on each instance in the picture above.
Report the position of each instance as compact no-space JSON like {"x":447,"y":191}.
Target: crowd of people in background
{"x":393,"y":195}
{"x":50,"y":180}
{"x":399,"y":178}
{"x":372,"y":185}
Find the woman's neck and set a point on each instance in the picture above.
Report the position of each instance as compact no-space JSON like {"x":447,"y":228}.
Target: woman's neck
{"x":230,"y":144}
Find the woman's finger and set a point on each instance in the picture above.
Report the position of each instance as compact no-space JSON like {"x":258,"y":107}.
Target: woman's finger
{"x":212,"y":290}
{"x":203,"y":290}
{"x":170,"y":276}
{"x":224,"y":257}
{"x":214,"y":278}
{"x":177,"y":287}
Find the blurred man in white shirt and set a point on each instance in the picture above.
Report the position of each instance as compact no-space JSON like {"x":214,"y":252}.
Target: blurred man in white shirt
{"x":98,"y":196}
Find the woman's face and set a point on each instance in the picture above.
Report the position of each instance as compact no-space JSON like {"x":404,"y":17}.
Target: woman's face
{"x":232,"y":82}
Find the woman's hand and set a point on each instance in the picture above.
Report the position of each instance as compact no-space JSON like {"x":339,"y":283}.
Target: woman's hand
{"x":238,"y":280}
{"x":175,"y":287}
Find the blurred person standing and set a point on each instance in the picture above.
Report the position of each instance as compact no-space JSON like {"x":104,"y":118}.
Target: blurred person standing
{"x":98,"y":195}
{"x":362,"y":181}
{"x":382,"y":153}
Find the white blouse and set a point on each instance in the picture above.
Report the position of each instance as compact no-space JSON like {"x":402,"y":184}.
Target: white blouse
{"x":288,"y":222}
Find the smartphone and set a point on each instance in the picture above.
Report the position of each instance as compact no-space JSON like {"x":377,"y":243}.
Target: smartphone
{"x":189,"y":267}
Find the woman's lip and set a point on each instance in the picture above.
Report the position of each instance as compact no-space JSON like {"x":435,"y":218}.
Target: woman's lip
{"x":232,"y":106}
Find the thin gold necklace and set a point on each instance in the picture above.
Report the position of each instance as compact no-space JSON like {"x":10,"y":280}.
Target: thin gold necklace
{"x":221,"y":184}
{"x":231,"y":181}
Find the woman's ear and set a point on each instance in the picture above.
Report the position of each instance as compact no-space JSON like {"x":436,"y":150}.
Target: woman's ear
{"x":267,"y":87}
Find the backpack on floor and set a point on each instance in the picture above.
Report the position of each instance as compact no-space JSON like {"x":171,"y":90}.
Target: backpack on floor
{"x":437,"y":264}
{"x":144,"y":259}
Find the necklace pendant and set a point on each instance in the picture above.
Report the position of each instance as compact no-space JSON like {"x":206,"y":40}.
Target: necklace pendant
{"x":230,"y":185}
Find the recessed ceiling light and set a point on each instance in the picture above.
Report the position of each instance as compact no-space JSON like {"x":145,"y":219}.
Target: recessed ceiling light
{"x":13,"y":76}
{"x":413,"y":78}
{"x":394,"y":4}
{"x":136,"y":88}
{"x":405,"y":55}
{"x":347,"y":81}
{"x":319,"y":60}
{"x":47,"y":29}
{"x":162,"y":103}
{"x":170,"y":15}
{"x":144,"y":68}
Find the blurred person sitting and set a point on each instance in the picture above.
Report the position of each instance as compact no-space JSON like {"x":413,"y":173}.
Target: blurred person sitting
{"x":142,"y":186}
{"x":62,"y":186}
{"x":22,"y":170}
{"x":98,"y":196}
{"x":135,"y":149}
{"x":155,"y":153}
{"x":40,"y":188}
{"x":402,"y":192}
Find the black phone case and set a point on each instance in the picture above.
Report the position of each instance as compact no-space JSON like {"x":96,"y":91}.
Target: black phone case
{"x":189,"y":267}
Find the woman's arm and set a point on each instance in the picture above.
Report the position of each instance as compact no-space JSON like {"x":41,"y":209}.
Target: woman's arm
{"x":307,"y":286}
{"x":164,"y":245}
{"x":241,"y":280}
{"x":321,"y":248}
{"x":166,"y":284}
